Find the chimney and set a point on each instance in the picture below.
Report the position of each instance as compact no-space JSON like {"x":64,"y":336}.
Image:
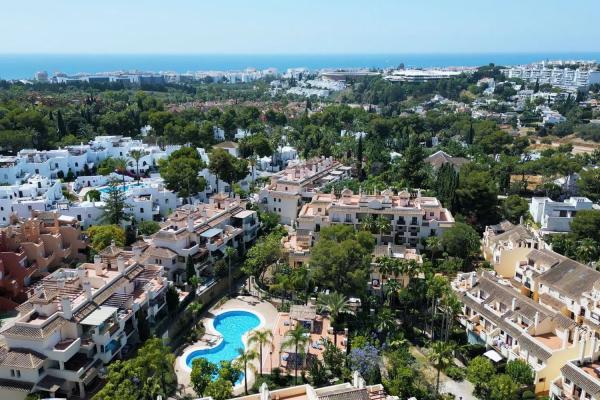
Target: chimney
{"x":582,"y":343}
{"x":97,"y":260}
{"x":112,"y":243}
{"x":60,"y":283}
{"x":81,"y":273}
{"x":190,"y":223}
{"x":98,"y":265}
{"x":120,"y":264}
{"x":87,"y":287}
{"x":536,"y":319}
{"x":389,"y":249}
{"x":594,"y":346}
{"x":137,"y":253}
{"x":67,"y":308}
{"x":513,"y":305}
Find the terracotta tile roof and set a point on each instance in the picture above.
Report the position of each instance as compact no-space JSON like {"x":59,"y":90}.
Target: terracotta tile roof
{"x":583,"y":380}
{"x":20,"y":358}
{"x":346,"y":394}
{"x":34,"y":332}
{"x":534,"y":347}
{"x":19,"y":386}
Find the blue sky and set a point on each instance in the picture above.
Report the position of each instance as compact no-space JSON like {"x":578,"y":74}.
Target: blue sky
{"x":301,"y":26}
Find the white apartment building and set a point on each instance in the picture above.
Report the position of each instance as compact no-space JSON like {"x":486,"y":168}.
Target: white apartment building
{"x":556,"y":216}
{"x":579,"y":378}
{"x":562,"y":77}
{"x":77,"y":321}
{"x":75,"y":159}
{"x":203,"y":232}
{"x":35,"y":193}
{"x":297,"y":184}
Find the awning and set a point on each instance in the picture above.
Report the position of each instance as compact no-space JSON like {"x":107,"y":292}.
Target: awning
{"x":493,"y":355}
{"x":99,"y":316}
{"x":211,"y":233}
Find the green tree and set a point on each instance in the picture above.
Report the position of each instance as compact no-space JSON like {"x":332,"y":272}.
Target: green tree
{"x":440,"y":355}
{"x":335,"y":304}
{"x":101,"y":236}
{"x":586,"y":224}
{"x":172,"y":299}
{"x":589,"y":184}
{"x":227,"y":167}
{"x":461,"y":241}
{"x":479,"y":371}
{"x":385,"y":322}
{"x":92,"y":195}
{"x":261,"y":338}
{"x":244,"y":361}
{"x":520,"y":372}
{"x":219,"y":389}
{"x":148,"y":228}
{"x":190,"y":269}
{"x":502,"y":387}
{"x":412,"y":165}
{"x":180,"y":172}
{"x":296,"y":339}
{"x":146,"y":376}
{"x":229,"y":254}
{"x":60,"y":125}
{"x":115,"y":205}
{"x":446,"y":184}
{"x":514,"y":207}
{"x":477,"y":197}
{"x":201,"y":375}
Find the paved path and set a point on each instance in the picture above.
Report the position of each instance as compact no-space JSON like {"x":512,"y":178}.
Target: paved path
{"x":462,"y":389}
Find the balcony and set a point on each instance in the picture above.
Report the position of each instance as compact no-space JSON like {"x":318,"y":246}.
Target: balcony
{"x":191,"y":249}
{"x":66,"y":349}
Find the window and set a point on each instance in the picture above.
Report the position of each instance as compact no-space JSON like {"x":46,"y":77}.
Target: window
{"x":567,"y":381}
{"x":141,"y":209}
{"x":79,"y":217}
{"x":541,"y":380}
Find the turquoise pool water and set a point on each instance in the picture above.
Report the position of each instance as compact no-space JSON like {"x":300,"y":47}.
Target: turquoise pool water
{"x":232,"y":325}
{"x":123,"y":188}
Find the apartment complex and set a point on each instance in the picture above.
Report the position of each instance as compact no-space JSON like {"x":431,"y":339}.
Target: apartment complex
{"x":75,"y":322}
{"x":37,"y":193}
{"x":562,"y":77}
{"x":579,"y":378}
{"x":297,"y":184}
{"x":30,"y":248}
{"x":202,"y":232}
{"x":499,"y":316}
{"x":412,"y":217}
{"x":556,"y":216}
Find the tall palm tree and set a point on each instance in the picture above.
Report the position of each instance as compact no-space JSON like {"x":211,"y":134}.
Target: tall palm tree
{"x":296,"y":338}
{"x":195,"y":307}
{"x":244,"y":360}
{"x":368,"y":224}
{"x":120,"y":166}
{"x":336,"y":304}
{"x":137,"y":155}
{"x":386,"y":322}
{"x":229,"y":253}
{"x":261,"y":338}
{"x":587,"y":250}
{"x":434,"y":245}
{"x":392,"y":288}
{"x":383,"y":225}
{"x":440,"y":356}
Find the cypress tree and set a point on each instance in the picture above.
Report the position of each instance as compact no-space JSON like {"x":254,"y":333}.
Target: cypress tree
{"x":446,"y":185}
{"x":60,"y":125}
{"x":471,"y":134}
{"x":359,"y":158}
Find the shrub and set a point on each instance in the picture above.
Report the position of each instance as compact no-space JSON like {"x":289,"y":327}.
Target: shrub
{"x":456,"y":373}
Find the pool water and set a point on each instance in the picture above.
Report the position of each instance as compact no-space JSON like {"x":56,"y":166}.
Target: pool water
{"x":232,"y":325}
{"x":122,"y":188}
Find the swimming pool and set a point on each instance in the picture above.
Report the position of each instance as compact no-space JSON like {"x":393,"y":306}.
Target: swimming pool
{"x":123,"y":188}
{"x":232,"y":326}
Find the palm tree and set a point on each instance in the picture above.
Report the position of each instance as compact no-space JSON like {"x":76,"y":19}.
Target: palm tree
{"x":440,"y":355}
{"x":261,"y":338}
{"x":335,"y":303}
{"x":252,"y":161}
{"x":392,"y":288}
{"x":136,"y":155}
{"x":296,"y":338}
{"x":120,"y":166}
{"x":434,"y":245}
{"x":244,"y":358}
{"x":229,"y":253}
{"x":386,"y":322}
{"x":383,"y":225}
{"x":368,"y":224}
{"x":195,"y":307}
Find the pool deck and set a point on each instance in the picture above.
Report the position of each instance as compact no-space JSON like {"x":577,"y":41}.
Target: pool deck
{"x":266,"y":312}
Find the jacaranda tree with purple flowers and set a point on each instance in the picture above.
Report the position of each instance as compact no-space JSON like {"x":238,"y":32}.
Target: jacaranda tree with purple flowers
{"x":366,"y":361}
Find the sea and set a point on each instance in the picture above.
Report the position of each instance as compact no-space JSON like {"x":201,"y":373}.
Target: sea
{"x":24,"y":66}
